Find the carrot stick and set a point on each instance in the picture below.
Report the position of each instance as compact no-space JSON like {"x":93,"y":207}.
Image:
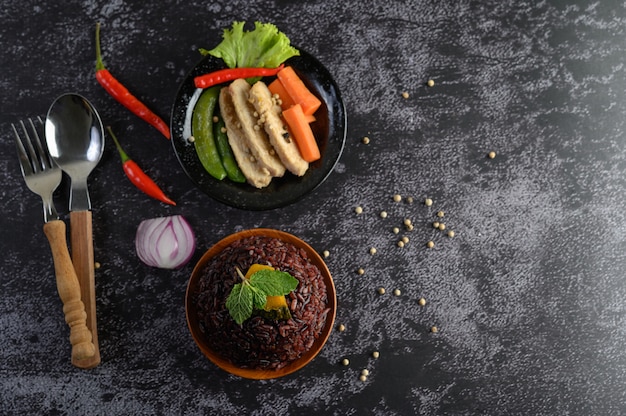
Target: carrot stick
{"x":276,"y":88}
{"x":301,"y":132}
{"x":298,"y":92}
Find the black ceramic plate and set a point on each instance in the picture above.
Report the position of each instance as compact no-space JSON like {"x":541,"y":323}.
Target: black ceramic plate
{"x":329,"y":129}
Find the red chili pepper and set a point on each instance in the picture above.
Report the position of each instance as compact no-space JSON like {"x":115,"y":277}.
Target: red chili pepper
{"x":138,"y":177}
{"x":229,"y":74}
{"x":123,"y":96}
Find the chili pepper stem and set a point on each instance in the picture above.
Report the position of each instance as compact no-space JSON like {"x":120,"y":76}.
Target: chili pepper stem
{"x":99,"y":61}
{"x":121,"y":151}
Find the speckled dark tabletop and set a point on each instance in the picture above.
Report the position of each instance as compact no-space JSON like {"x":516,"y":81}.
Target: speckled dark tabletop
{"x":528,"y":296}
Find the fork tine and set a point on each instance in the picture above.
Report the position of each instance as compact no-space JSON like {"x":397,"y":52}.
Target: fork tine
{"x":33,"y":156}
{"x":25,"y":163}
{"x":41,"y":146}
{"x":41,"y":174}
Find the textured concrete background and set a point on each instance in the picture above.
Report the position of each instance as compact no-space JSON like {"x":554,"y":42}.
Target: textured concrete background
{"x":528,"y":296}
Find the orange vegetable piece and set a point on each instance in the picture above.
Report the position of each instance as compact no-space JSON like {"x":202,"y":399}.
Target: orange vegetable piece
{"x":275,"y":306}
{"x":298,"y":92}
{"x":276,"y":88}
{"x":256,"y":267}
{"x":301,"y":132}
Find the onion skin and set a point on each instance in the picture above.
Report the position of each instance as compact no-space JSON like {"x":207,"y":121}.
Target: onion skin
{"x":165,"y":242}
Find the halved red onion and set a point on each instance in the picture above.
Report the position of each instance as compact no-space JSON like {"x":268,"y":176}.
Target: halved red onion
{"x":165,"y":242}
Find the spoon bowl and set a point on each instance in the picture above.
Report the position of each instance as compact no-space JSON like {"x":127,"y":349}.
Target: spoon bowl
{"x":75,"y":137}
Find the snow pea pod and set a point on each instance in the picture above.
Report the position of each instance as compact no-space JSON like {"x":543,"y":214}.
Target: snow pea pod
{"x":226,"y":153}
{"x":202,"y":131}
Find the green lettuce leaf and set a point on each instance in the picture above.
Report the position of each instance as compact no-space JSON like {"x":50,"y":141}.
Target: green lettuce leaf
{"x":263,"y":47}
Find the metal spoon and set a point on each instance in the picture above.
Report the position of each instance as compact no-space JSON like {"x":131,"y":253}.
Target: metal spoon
{"x":75,"y":138}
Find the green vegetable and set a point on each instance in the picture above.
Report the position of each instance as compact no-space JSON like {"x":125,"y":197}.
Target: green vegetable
{"x":252,"y":293}
{"x":263,"y":47}
{"x":226,"y":153}
{"x":202,"y":130}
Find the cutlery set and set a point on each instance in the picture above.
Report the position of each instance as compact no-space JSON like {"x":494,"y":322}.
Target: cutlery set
{"x":70,"y":140}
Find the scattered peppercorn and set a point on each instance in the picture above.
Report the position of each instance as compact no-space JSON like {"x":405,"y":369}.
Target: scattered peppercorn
{"x":450,"y":233}
{"x":436,"y":224}
{"x":396,"y":230}
{"x":341,"y":328}
{"x":365,"y":140}
{"x":422,"y":302}
{"x":409,"y":199}
{"x":434,"y":329}
{"x":405,"y":95}
{"x":400,"y":243}
{"x":191,"y":139}
{"x":428,"y":202}
{"x":430,"y":244}
{"x":365,"y":372}
{"x":383,"y":214}
{"x":358,"y":210}
{"x":407,"y":222}
{"x":440,"y":214}
{"x":397,"y":198}
{"x":397,"y":292}
{"x":381,"y":290}
{"x":97,"y":265}
{"x":326,"y":253}
{"x":492,"y":155}
{"x":363,"y":378}
{"x":345,"y":361}
{"x":375,"y":354}
{"x":405,"y":239}
{"x":373,"y":250}
{"x":361,"y":271}
{"x":442,"y":226}
{"x":430,"y":83}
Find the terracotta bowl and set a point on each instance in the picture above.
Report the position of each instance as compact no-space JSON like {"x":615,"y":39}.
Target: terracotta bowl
{"x":200,"y":337}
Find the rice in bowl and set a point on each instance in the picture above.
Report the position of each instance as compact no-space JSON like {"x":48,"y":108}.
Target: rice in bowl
{"x":261,"y":343}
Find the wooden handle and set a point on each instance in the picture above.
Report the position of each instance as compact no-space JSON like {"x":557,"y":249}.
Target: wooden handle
{"x":69,"y":292}
{"x":81,"y":242}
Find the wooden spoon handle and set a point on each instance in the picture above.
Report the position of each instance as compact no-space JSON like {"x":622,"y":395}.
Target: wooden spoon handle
{"x":81,"y":242}
{"x":69,"y":292}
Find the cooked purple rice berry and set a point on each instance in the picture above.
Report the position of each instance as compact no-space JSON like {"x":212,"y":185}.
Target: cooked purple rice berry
{"x":259,"y":342}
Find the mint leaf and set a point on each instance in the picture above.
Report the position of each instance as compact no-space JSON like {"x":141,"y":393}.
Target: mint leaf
{"x":259,"y":298}
{"x":252,"y":293}
{"x":240,"y":302}
{"x":273,"y":282}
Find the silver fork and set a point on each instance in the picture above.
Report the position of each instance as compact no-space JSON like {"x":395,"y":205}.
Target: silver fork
{"x":43,"y":176}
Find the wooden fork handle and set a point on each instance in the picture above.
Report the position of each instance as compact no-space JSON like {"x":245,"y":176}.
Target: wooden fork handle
{"x":81,"y":242}
{"x":69,"y":292}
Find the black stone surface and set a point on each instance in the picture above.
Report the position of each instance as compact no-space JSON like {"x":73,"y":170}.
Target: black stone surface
{"x":528,"y":296}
